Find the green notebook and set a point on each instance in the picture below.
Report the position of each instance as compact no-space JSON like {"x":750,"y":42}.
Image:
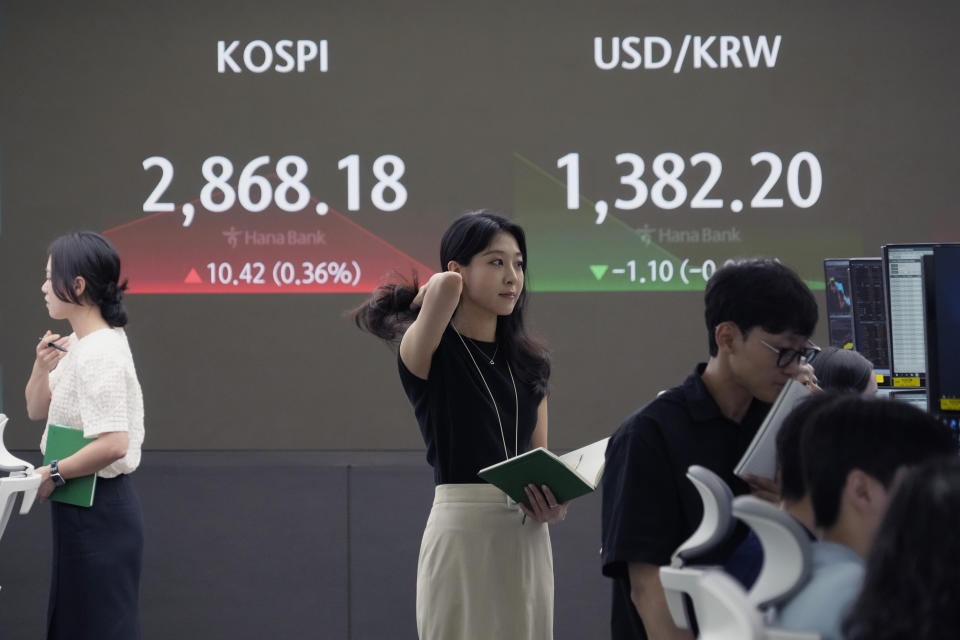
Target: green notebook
{"x":568,"y":476}
{"x":63,"y":442}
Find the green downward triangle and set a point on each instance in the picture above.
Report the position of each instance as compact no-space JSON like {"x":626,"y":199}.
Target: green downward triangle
{"x":598,"y":270}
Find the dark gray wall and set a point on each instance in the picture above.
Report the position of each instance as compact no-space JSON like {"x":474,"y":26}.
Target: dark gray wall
{"x":461,"y":91}
{"x":303,"y":544}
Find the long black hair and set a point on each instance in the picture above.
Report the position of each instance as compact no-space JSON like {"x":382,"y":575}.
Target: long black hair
{"x":387,"y":313}
{"x":94,"y":258}
{"x":912,"y":587}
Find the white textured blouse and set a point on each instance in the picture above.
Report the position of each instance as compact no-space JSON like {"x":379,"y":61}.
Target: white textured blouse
{"x":95,"y":388}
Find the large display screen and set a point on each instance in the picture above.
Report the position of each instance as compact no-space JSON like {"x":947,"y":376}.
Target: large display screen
{"x":263,"y":166}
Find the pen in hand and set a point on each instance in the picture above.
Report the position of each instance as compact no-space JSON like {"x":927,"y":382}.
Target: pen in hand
{"x":55,"y":346}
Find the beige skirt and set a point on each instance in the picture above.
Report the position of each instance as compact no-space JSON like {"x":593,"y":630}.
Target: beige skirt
{"x":483,"y":573}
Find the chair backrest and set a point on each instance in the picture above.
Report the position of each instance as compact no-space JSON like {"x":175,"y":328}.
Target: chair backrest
{"x":22,"y":479}
{"x":8,"y":462}
{"x":717,"y":521}
{"x":724,"y":611}
{"x":678,"y":585}
{"x":679,"y":579}
{"x":786,"y":551}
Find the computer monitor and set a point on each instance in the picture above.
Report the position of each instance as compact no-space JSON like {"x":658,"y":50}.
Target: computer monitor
{"x":916,"y":397}
{"x":840,"y":326}
{"x":856,"y":312}
{"x":942,"y":311}
{"x":903,"y":293}
{"x":870,"y":315}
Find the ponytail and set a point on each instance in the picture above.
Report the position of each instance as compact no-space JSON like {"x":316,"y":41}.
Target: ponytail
{"x":111,"y":304}
{"x":387,"y":313}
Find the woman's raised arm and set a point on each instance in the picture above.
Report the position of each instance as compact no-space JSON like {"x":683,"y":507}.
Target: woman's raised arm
{"x":438,"y":299}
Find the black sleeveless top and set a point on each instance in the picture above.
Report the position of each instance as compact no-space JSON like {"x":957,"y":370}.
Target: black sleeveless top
{"x":453,"y":408}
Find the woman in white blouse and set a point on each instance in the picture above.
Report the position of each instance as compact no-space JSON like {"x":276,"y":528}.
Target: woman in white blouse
{"x":87,"y":381}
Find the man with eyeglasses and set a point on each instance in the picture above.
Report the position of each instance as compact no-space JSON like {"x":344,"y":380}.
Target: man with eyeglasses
{"x":759,"y":316}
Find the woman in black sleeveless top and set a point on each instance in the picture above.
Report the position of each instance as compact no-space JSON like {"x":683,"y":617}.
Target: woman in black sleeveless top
{"x":478,"y":385}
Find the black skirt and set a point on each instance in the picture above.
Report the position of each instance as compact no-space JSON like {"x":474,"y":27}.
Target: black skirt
{"x":97,"y":556}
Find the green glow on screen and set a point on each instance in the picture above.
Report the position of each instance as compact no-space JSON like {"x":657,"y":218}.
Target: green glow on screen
{"x":570,"y":252}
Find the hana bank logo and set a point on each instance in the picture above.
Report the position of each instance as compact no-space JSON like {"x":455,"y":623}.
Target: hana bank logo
{"x":235,"y":237}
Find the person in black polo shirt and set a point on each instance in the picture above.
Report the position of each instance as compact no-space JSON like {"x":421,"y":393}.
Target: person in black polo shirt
{"x":759,"y":317}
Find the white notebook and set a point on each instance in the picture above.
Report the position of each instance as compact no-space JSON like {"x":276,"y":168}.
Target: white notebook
{"x":760,"y":458}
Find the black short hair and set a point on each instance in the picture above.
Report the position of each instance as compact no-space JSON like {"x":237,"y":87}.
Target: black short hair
{"x":789,"y":460}
{"x":94,"y":258}
{"x":876,"y":436}
{"x":842,"y":370}
{"x":759,"y":293}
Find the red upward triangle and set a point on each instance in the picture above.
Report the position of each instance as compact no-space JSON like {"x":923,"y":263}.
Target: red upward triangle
{"x":193,"y":277}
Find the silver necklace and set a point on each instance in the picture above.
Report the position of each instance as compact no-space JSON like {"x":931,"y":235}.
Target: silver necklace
{"x":484,"y":353}
{"x":516,"y":401}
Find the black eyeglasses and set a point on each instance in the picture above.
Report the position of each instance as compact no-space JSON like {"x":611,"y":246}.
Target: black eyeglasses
{"x":788,"y":355}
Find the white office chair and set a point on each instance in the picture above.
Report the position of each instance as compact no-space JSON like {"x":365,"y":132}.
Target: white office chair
{"x":717,"y":522}
{"x":724,"y":612}
{"x":786,"y":562}
{"x":786,"y":551}
{"x":680,"y":580}
{"x":21,"y":479}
